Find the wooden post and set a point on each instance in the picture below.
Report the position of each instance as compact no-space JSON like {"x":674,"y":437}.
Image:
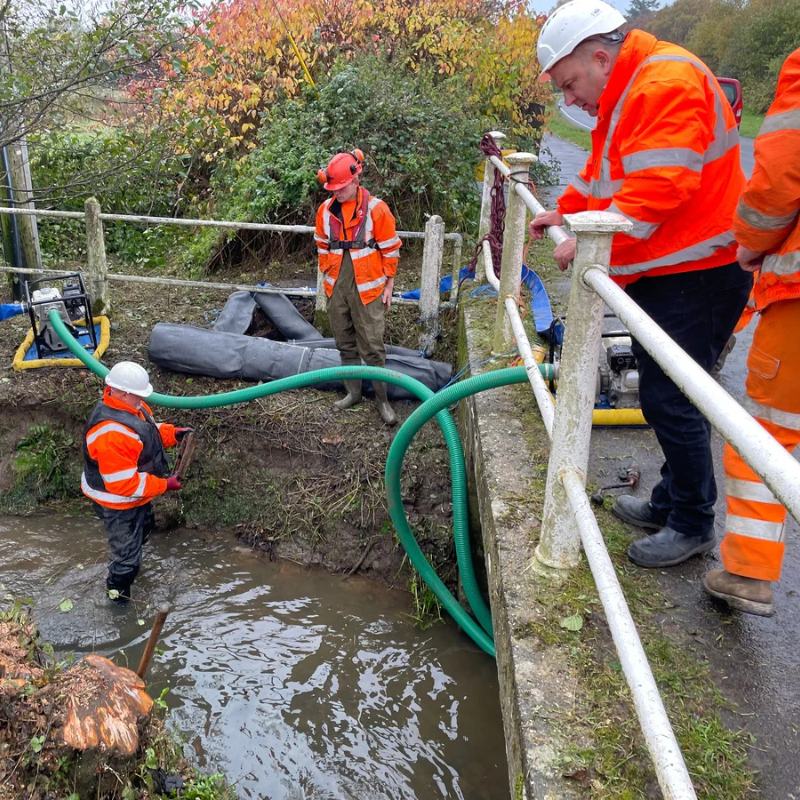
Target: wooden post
{"x":96,"y":265}
{"x":513,"y":246}
{"x":152,"y":641}
{"x":486,"y":204}
{"x":19,"y":174}
{"x":429,"y":282}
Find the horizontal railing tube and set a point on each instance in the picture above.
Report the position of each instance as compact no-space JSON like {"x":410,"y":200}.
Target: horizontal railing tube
{"x":547,"y":407}
{"x":230,"y":287}
{"x":673,"y":777}
{"x":758,"y":448}
{"x":555,"y":232}
{"x":198,"y":223}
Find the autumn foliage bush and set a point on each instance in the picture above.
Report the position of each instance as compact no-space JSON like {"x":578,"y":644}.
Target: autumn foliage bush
{"x":252,"y":54}
{"x":421,"y":148}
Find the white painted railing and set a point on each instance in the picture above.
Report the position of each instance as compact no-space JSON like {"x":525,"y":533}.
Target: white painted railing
{"x":568,"y":522}
{"x":98,"y":276}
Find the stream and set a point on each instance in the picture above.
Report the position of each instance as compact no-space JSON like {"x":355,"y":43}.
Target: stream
{"x":292,"y":682}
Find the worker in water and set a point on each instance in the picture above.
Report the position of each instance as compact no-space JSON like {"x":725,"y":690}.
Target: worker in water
{"x":124,"y":468}
{"x":665,"y":155}
{"x":358,"y":251}
{"x":767,"y":227}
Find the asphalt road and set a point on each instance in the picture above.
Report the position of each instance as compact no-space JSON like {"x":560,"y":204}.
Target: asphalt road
{"x":753,"y":660}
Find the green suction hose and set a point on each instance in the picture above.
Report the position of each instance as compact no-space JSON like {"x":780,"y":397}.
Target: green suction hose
{"x":394,"y":463}
{"x":465,"y":566}
{"x":432,"y":406}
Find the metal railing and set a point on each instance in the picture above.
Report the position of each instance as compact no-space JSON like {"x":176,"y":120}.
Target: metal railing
{"x":98,"y":276}
{"x":568,"y":521}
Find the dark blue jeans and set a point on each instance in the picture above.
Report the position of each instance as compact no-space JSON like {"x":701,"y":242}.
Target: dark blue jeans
{"x":699,"y":310}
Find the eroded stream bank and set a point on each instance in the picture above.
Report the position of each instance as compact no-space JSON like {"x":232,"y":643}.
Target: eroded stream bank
{"x":293,"y":682}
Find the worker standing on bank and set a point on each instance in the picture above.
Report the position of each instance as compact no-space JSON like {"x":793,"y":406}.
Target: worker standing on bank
{"x":767,"y":227}
{"x":125,"y":468}
{"x":358,"y":250}
{"x":665,"y":155}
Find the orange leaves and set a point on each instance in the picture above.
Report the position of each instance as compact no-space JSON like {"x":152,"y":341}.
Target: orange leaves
{"x":244,"y":59}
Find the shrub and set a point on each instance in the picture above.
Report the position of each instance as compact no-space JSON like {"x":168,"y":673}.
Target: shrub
{"x":44,"y":466}
{"x":420,"y":138}
{"x":128,"y":170}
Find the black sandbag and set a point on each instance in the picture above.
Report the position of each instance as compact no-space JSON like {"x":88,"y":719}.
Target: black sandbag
{"x":237,"y":313}
{"x":217,"y":354}
{"x":281,"y":312}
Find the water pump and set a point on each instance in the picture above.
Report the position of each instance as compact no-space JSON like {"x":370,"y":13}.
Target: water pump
{"x":69,"y":300}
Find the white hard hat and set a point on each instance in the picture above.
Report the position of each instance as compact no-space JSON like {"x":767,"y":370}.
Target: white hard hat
{"x":571,"y":24}
{"x":129,"y":377}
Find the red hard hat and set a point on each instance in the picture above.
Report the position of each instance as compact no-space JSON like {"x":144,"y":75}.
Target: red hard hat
{"x":341,"y":169}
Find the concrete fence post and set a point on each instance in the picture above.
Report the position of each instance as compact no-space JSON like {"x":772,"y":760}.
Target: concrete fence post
{"x":486,"y":204}
{"x":559,"y":543}
{"x":513,"y":247}
{"x":321,"y":321}
{"x":432,"y":252}
{"x":96,"y":265}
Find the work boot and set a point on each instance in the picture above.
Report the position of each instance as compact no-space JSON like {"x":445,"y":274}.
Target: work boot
{"x":384,"y":408}
{"x":352,"y":398}
{"x":121,"y":589}
{"x":667,"y":548}
{"x":744,"y":594}
{"x":638,"y":512}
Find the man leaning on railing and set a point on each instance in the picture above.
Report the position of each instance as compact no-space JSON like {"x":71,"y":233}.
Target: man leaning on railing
{"x":767,"y":227}
{"x":665,"y":155}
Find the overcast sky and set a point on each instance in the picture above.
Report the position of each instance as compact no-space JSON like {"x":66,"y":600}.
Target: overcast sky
{"x":543,"y":6}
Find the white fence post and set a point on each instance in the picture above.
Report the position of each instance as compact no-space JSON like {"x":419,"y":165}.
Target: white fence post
{"x":513,"y":247}
{"x":486,"y":204}
{"x":559,"y":543}
{"x":429,"y":282}
{"x":96,"y":265}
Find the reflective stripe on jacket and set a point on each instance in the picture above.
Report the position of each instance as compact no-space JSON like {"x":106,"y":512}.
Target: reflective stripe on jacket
{"x":370,"y":220}
{"x":768,"y":217}
{"x":124,"y":463}
{"x":665,"y":154}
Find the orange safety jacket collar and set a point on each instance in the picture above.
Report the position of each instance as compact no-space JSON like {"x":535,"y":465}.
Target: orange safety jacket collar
{"x":336,"y":242}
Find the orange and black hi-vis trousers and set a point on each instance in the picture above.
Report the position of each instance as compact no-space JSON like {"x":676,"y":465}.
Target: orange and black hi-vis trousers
{"x":753,"y":545}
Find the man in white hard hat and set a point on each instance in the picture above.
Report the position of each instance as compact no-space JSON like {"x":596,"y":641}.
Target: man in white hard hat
{"x":665,"y":155}
{"x":124,"y":468}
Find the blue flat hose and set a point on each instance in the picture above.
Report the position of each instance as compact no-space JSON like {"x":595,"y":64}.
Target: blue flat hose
{"x":433,"y":405}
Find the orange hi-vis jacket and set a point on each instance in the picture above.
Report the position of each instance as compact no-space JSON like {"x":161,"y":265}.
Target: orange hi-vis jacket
{"x":768,"y":217}
{"x":367,"y":223}
{"x":768,"y":221}
{"x":665,"y":154}
{"x":124,"y":461}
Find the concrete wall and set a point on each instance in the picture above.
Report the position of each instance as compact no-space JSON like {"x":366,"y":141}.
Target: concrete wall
{"x":506,"y":448}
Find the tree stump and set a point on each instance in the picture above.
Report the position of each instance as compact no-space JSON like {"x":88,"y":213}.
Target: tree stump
{"x":103,"y":707}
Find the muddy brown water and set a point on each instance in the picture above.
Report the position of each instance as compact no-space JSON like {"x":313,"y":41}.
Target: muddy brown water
{"x":293,"y":682}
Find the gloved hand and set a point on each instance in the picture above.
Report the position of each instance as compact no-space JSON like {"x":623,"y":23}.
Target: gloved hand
{"x":174,"y":483}
{"x":181,"y":432}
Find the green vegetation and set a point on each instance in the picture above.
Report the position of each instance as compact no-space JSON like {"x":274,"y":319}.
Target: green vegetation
{"x":128,"y":170}
{"x":751,"y":123}
{"x":43,"y":468}
{"x":611,"y":750}
{"x":557,"y":125}
{"x":737,"y":39}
